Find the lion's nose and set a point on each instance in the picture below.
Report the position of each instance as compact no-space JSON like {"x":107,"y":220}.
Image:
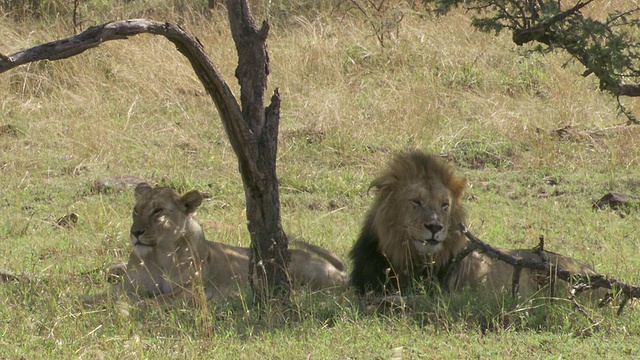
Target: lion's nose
{"x":137,"y":233}
{"x":433,"y":228}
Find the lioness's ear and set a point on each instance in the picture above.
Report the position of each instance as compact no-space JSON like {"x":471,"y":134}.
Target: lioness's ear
{"x":191,"y":201}
{"x":140,"y":190}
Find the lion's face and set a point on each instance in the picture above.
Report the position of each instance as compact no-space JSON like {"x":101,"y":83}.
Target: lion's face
{"x":424,"y":214}
{"x":160,"y":216}
{"x":417,"y":210}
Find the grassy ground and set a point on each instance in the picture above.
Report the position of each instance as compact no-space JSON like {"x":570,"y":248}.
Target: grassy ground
{"x":135,"y":107}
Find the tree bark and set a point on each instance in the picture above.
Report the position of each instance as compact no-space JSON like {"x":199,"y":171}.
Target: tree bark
{"x":252,"y":129}
{"x":268,"y":241}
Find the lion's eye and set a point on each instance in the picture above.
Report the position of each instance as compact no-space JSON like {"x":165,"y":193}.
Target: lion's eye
{"x":416,"y":203}
{"x":445,"y":206}
{"x":156,"y":211}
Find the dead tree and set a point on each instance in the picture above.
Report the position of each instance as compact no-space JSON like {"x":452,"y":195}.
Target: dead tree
{"x":252,"y":129}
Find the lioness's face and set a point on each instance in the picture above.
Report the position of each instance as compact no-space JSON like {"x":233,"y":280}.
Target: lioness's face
{"x":427,"y":210}
{"x":159,"y":217}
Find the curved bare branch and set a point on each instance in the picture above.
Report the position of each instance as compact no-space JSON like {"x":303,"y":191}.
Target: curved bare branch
{"x":187,"y":44}
{"x":252,"y":129}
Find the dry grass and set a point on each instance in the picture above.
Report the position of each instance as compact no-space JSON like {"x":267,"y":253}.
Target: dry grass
{"x":135,"y":107}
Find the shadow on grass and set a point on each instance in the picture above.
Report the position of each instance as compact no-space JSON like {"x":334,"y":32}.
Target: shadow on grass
{"x":306,"y":314}
{"x":323,"y":310}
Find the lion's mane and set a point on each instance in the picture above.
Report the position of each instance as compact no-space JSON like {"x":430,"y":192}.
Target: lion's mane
{"x":385,"y":256}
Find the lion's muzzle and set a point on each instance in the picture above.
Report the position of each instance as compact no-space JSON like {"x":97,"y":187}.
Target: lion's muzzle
{"x":435,"y":230}
{"x":140,"y":247}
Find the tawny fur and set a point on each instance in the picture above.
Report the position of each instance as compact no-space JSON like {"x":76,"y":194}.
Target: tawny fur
{"x":171,"y":259}
{"x":479,"y":271}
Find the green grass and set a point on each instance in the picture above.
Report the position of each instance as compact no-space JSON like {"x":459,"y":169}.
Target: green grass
{"x":135,"y":107}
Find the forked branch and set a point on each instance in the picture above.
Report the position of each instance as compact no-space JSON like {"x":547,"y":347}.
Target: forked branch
{"x":581,"y":282}
{"x":123,"y":29}
{"x":252,"y":128}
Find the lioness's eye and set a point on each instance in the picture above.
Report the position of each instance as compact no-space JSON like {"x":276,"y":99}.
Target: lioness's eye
{"x":445,"y":205}
{"x":156,"y":211}
{"x":416,"y":203}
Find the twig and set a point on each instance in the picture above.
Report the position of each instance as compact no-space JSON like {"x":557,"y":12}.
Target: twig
{"x":581,"y":310}
{"x":539,"y":250}
{"x":540,"y":31}
{"x":623,"y":109}
{"x":453,"y":264}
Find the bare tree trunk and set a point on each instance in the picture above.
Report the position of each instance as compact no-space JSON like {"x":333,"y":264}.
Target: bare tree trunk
{"x":268,"y":241}
{"x":252,"y":129}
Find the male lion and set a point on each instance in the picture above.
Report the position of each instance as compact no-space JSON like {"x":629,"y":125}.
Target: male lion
{"x":411,"y":234}
{"x":412,"y":228}
{"x":170,"y":254}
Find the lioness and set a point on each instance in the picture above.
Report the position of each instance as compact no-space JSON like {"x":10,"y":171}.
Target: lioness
{"x":170,"y":254}
{"x":412,"y":232}
{"x":478,"y":270}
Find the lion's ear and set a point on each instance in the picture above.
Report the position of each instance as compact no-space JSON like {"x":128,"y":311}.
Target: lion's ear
{"x":140,"y":190}
{"x":191,"y":201}
{"x":457,"y":185}
{"x":384,"y":185}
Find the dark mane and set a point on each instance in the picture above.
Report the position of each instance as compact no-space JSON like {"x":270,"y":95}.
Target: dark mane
{"x":372,"y":271}
{"x":374,"y":254}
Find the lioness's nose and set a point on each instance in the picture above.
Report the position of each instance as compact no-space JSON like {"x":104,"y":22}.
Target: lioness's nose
{"x":137,"y":233}
{"x":434,"y":228}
